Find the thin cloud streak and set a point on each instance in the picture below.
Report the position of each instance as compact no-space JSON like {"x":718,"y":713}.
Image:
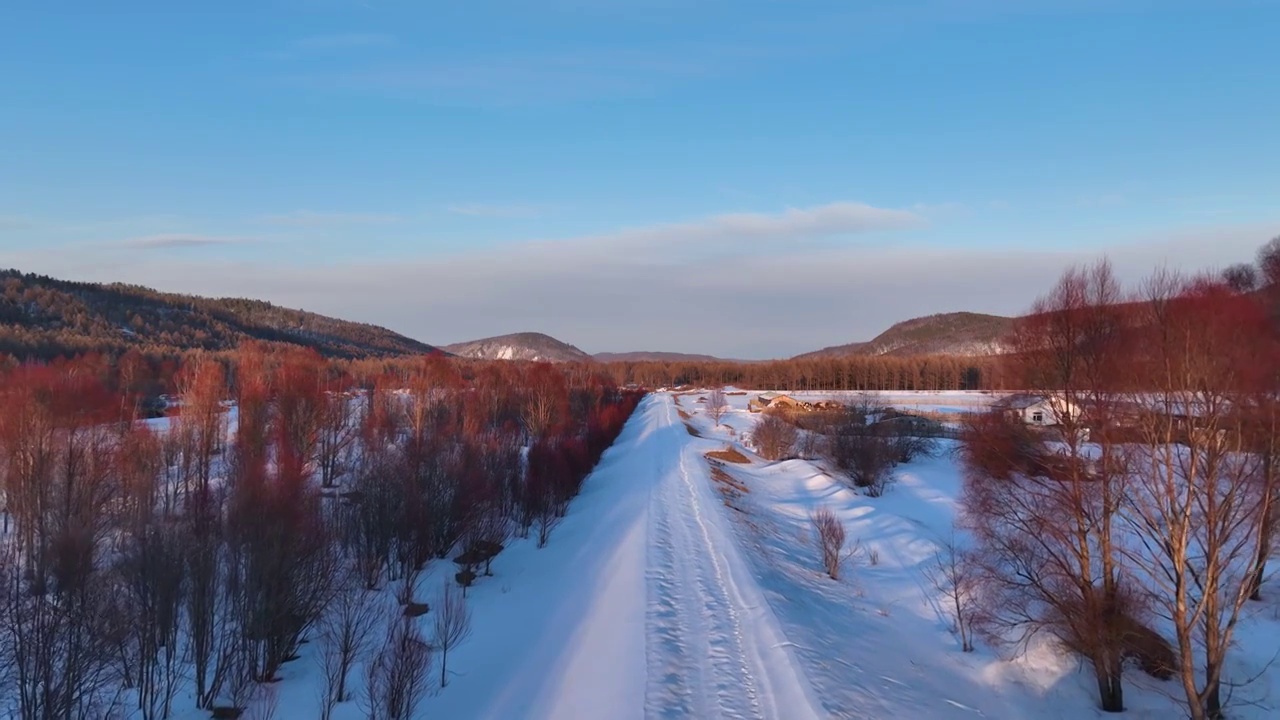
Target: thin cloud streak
{"x":639,"y":289}
{"x":168,"y":241}
{"x":730,"y":232}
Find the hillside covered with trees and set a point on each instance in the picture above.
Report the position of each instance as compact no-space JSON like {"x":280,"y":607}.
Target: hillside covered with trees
{"x":956,"y":333}
{"x":43,"y":318}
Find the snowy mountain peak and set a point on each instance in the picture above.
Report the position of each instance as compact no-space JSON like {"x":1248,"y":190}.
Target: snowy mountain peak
{"x":530,"y":346}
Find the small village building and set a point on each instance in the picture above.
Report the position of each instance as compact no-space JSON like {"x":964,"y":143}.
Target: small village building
{"x":1040,"y":410}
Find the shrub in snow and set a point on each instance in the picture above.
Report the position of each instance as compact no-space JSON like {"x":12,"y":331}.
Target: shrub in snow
{"x":397,"y":677}
{"x":868,"y":458}
{"x":774,"y":438}
{"x":954,"y":575}
{"x":452,"y":626}
{"x":830,"y":537}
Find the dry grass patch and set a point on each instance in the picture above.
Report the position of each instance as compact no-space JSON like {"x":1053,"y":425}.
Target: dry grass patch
{"x":692,"y":430}
{"x":730,"y":455}
{"x":737,"y":392}
{"x":726,"y":483}
{"x":684,"y":415}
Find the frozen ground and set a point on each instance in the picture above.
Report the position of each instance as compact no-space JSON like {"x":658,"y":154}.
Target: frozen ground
{"x":659,"y":597}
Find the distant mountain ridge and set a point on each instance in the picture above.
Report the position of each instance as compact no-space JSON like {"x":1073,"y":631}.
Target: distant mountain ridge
{"x":43,"y":317}
{"x":531,"y":346}
{"x":651,"y":356}
{"x":958,"y":333}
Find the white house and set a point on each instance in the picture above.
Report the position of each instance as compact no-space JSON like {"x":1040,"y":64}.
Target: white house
{"x":1041,"y":410}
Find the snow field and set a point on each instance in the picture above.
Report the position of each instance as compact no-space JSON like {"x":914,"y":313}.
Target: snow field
{"x":658,"y":598}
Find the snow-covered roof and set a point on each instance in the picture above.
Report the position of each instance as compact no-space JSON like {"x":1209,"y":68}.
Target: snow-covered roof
{"x":1022,"y":402}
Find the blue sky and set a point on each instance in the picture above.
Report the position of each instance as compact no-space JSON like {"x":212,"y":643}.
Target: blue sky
{"x":739,"y":177}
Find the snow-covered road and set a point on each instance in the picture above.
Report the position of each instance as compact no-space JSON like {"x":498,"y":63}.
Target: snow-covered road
{"x":644,"y":605}
{"x":713,"y":646}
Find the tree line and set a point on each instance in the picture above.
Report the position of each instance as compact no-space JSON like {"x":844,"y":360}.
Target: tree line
{"x":854,"y":372}
{"x":282,"y":503}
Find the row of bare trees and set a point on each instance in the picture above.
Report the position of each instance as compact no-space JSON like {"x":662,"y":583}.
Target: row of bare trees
{"x":1149,"y":512}
{"x":275,"y":506}
{"x":850,"y":372}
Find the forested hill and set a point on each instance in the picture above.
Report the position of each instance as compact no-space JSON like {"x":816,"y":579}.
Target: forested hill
{"x":42,"y":318}
{"x":964,"y":334}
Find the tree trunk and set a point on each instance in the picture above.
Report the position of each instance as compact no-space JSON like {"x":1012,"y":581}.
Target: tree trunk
{"x":1110,"y":690}
{"x":1213,"y":702}
{"x":1264,"y":541}
{"x":1260,"y":562}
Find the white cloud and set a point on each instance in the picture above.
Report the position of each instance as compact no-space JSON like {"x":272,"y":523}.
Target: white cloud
{"x":164,"y":241}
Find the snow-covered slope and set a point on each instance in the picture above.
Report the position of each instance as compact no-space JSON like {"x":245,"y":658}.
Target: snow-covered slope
{"x":519,"y":346}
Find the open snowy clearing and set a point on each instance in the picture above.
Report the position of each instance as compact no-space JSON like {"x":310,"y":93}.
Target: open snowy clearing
{"x":670,"y":593}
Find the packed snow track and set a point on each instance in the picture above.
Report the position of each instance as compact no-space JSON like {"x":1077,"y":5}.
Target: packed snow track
{"x":655,"y":614}
{"x":713,"y":647}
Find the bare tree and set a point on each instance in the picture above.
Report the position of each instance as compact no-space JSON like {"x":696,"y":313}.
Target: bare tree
{"x":374,"y":512}
{"x":200,"y":422}
{"x":1199,"y":500}
{"x":202,"y":550}
{"x":1046,"y":554}
{"x":238,"y":685}
{"x":58,"y":649}
{"x":546,"y":515}
{"x":487,"y":531}
{"x":266,"y":703}
{"x":829,"y":535}
{"x":452,"y":626}
{"x":346,"y":631}
{"x":1241,"y":277}
{"x":953,"y":575}
{"x":335,"y":441}
{"x":774,"y":438}
{"x":396,"y":679}
{"x":1269,"y":261}
{"x":408,"y":588}
{"x":717,"y":406}
{"x":152,"y":581}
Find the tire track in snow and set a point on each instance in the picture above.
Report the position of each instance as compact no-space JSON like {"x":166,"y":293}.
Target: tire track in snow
{"x":673,"y":686}
{"x":697,"y":656}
